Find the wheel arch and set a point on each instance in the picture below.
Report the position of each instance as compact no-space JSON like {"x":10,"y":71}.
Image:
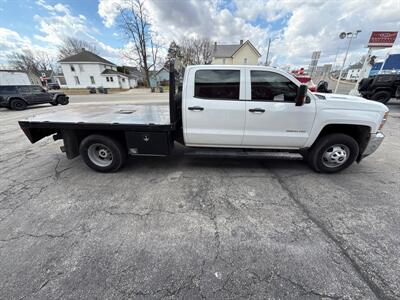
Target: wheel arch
{"x":17,"y":98}
{"x":361,"y":133}
{"x":382,"y":89}
{"x":73,"y":138}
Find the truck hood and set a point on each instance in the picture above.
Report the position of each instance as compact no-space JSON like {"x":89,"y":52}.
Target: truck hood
{"x":351,"y":102}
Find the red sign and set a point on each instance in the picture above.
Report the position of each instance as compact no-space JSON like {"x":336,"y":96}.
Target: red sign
{"x":382,"y":39}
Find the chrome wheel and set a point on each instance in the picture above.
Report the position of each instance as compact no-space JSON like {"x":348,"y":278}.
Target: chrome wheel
{"x":100,"y":155}
{"x":335,"y":155}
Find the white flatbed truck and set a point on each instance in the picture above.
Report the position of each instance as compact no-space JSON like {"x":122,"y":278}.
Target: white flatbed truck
{"x":230,"y":109}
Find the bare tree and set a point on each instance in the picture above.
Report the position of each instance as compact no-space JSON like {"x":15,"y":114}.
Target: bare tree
{"x":134,"y":23}
{"x":44,"y":61}
{"x":24,"y":61}
{"x":195,"y":51}
{"x":72,"y":46}
{"x":28,"y":60}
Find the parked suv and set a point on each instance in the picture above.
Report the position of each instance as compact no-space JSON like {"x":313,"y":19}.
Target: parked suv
{"x":380,"y":87}
{"x":18,"y":97}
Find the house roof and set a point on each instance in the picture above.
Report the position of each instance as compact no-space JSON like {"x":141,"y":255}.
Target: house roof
{"x":134,"y":72}
{"x":225,"y":50}
{"x":221,"y":51}
{"x":163,"y":68}
{"x":356,"y":66}
{"x":86,"y":56}
{"x":113,"y":72}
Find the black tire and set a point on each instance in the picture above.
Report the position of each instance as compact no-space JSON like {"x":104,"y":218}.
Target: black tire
{"x":62,"y":100}
{"x":113,"y":157}
{"x":18,"y":104}
{"x":334,"y":146}
{"x":54,"y":103}
{"x":382,"y":96}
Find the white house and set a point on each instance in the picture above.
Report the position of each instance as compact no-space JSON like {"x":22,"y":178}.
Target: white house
{"x":353,"y":72}
{"x":87,"y":69}
{"x":237,"y":54}
{"x":15,"y":77}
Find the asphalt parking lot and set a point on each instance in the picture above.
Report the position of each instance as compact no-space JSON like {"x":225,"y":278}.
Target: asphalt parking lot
{"x":196,"y":228}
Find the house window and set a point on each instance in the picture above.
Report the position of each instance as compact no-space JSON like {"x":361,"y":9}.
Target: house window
{"x":72,"y":68}
{"x":123,"y":79}
{"x":92,"y":80}
{"x":77,"y":80}
{"x":81,"y":68}
{"x":245,"y":61}
{"x":269,"y":86}
{"x":223,"y":61}
{"x":108,"y":79}
{"x":217,"y":84}
{"x":111,"y":78}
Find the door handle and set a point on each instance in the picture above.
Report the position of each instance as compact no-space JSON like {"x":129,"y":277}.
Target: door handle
{"x":257,"y":110}
{"x":196,"y":108}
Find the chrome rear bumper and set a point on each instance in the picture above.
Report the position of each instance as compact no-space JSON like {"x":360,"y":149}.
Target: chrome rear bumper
{"x":374,"y":142}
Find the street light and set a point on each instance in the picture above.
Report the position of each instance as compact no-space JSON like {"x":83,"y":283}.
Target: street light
{"x":350,"y":36}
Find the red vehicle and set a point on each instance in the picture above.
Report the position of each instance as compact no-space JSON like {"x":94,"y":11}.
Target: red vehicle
{"x":304,"y":79}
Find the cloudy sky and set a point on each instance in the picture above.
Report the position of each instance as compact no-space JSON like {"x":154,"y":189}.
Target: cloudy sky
{"x":296,"y":27}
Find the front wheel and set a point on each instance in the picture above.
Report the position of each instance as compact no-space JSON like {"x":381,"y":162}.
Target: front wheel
{"x":333,"y":153}
{"x":62,"y":100}
{"x":382,"y":96}
{"x":102,"y":153}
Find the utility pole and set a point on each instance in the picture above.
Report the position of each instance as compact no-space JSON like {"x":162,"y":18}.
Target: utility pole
{"x":343,"y":35}
{"x":266,"y":59}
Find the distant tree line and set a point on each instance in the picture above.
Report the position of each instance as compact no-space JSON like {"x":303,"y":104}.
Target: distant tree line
{"x":36,"y":61}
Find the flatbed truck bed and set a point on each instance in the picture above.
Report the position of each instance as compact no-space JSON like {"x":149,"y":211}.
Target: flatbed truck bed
{"x":144,"y":129}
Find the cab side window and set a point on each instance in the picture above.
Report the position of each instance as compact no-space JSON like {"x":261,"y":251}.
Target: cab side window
{"x":37,"y":89}
{"x":217,"y":84}
{"x":24,"y":89}
{"x":270,"y":86}
{"x":8,"y":90}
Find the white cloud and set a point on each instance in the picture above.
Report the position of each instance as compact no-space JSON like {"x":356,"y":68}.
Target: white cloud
{"x":62,"y":23}
{"x":11,"y":41}
{"x":298,"y":27}
{"x":108,"y":10}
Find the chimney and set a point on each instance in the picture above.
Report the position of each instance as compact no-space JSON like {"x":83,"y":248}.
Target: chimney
{"x":241,"y":42}
{"x":83,"y":49}
{"x":215,"y":46}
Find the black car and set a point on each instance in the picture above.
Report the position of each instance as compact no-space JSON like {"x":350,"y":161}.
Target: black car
{"x":380,"y":87}
{"x":53,"y":86}
{"x":18,"y":97}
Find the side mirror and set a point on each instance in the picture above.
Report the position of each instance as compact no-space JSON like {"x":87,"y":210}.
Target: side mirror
{"x":301,"y":95}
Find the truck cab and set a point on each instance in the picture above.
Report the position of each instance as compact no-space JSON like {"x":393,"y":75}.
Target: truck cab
{"x":240,"y":109}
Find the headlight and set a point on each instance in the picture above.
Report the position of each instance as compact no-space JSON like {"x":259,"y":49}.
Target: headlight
{"x":385,"y":116}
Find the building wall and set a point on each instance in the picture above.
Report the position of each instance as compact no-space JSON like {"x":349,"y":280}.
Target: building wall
{"x":163,"y":75}
{"x":133,"y":83}
{"x":115,"y":82}
{"x":245,"y":53}
{"x":84,"y":72}
{"x":353,"y":74}
{"x":222,"y":61}
{"x":14,"y":78}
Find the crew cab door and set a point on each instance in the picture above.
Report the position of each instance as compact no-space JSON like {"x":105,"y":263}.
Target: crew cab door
{"x":213,"y":107}
{"x":272,"y":119}
{"x":40,"y":95}
{"x":26,"y":93}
